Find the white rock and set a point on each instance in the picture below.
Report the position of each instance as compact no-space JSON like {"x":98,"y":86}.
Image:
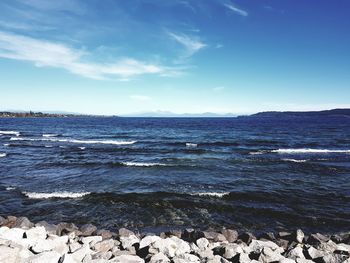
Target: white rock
{"x":217,"y":259}
{"x":127,"y":259}
{"x":295,"y":253}
{"x":194,"y":247}
{"x":300,"y":236}
{"x":258,"y":245}
{"x":68,"y":258}
{"x":80,"y":254}
{"x":166,"y":246}
{"x":47,"y":257}
{"x":13,"y":234}
{"x":244,"y":258}
{"x":343,"y":247}
{"x":91,"y":240}
{"x":36,"y":233}
{"x":232,"y":250}
{"x":205,"y":254}
{"x":286,"y":260}
{"x":186,"y":258}
{"x":8,"y":254}
{"x":268,"y":255}
{"x":202,"y":243}
{"x":182,"y":246}
{"x":128,"y":241}
{"x":104,"y":245}
{"x":25,"y":253}
{"x":159,"y":258}
{"x":55,"y":243}
{"x":315,"y":253}
{"x":148,"y":240}
{"x":303,"y":260}
{"x":74,"y":247}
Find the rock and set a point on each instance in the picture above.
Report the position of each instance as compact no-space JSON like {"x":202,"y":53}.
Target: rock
{"x":36,"y":233}
{"x":47,"y":257}
{"x":268,"y":255}
{"x":104,"y":246}
{"x":202,"y":243}
{"x":55,"y":243}
{"x":317,"y":239}
{"x":105,"y":234}
{"x":80,"y":253}
{"x":102,"y":255}
{"x":50,"y":228}
{"x":128,"y":241}
{"x":127,"y":259}
{"x":174,"y":232}
{"x":74,"y":247}
{"x":23,"y":223}
{"x":186,"y":258}
{"x":268,"y":236}
{"x":9,"y":255}
{"x":123,"y":232}
{"x":65,"y":228}
{"x":343,"y":247}
{"x":285,"y":235}
{"x":334,"y":258}
{"x":91,"y":240}
{"x":159,"y":258}
{"x":172,"y":246}
{"x":10,"y":221}
{"x":67,"y":258}
{"x":246,"y":237}
{"x":243,"y":258}
{"x":232,"y":250}
{"x":205,"y":254}
{"x":24,"y":253}
{"x":312,"y":253}
{"x":191,"y":235}
{"x":258,"y":245}
{"x":217,"y":259}
{"x":214,"y":236}
{"x":299,"y":236}
{"x":87,"y":229}
{"x":295,"y":253}
{"x":286,"y":260}
{"x":328,"y":246}
{"x":230,"y":235}
{"x":148,"y":240}
{"x":303,"y":260}
{"x":2,"y":221}
{"x":13,"y":234}
{"x":282,"y":243}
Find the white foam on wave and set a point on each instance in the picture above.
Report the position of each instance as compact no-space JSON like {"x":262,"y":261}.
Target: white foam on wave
{"x":212,"y":194}
{"x":142,"y":164}
{"x":74,"y":141}
{"x":10,"y":133}
{"x":308,"y":150}
{"x":257,"y":153}
{"x":50,"y":135}
{"x":9,"y":188}
{"x":188,"y":144}
{"x":48,"y":146}
{"x":3,"y":155}
{"x":34,"y":195}
{"x":294,"y":160}
{"x":82,"y":148}
{"x":6,"y":144}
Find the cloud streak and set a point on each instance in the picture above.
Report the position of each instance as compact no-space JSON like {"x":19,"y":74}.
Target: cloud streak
{"x":140,"y":97}
{"x":45,"y":53}
{"x":191,"y":44}
{"x":236,"y":9}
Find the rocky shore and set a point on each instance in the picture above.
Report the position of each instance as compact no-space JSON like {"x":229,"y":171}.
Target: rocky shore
{"x":24,"y":241}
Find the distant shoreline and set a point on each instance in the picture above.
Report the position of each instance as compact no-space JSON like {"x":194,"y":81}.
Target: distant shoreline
{"x":31,"y":114}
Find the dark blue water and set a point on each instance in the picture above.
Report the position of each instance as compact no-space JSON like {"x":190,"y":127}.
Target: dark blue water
{"x":153,"y":174}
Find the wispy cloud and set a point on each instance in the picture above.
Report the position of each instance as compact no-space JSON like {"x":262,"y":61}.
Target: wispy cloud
{"x":191,"y":44}
{"x":219,"y":88}
{"x":236,"y":9}
{"x":140,"y":97}
{"x":49,"y":54}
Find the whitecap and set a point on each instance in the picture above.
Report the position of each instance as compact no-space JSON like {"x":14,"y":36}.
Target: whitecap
{"x":294,"y":160}
{"x":308,"y":150}
{"x":212,"y":194}
{"x":10,"y":133}
{"x":188,"y":144}
{"x":9,"y":188}
{"x":35,"y":195}
{"x":6,"y":144}
{"x":82,"y":148}
{"x":48,"y":146}
{"x":142,"y":164}
{"x":257,"y":153}
{"x":114,"y":142}
{"x":50,"y":135}
{"x":3,"y":155}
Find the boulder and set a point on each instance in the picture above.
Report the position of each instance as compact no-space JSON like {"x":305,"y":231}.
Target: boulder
{"x":232,"y":250}
{"x":268,"y":255}
{"x":295,"y":253}
{"x":299,"y":236}
{"x":317,"y":239}
{"x":159,"y":258}
{"x":80,"y":253}
{"x":47,"y":257}
{"x":12,"y":234}
{"x":172,"y":246}
{"x":217,"y":259}
{"x":214,"y":236}
{"x":102,"y":255}
{"x":87,"y":229}
{"x":186,"y":258}
{"x":65,"y":228}
{"x":257,"y":246}
{"x":23,"y":223}
{"x":50,"y":228}
{"x":35,"y":233}
{"x":10,"y":221}
{"x":230,"y":235}
{"x":312,"y":253}
{"x":2,"y":221}
{"x":123,"y":232}
{"x":54,"y":243}
{"x":74,"y":246}
{"x":202,"y":243}
{"x":148,"y":240}
{"x":128,"y":240}
{"x":105,"y":234}
{"x":246,"y":237}
{"x":9,"y":254}
{"x":127,"y":259}
{"x":104,"y":246}
{"x":91,"y":240}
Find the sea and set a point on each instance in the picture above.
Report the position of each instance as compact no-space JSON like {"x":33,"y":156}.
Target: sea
{"x":157,"y":174}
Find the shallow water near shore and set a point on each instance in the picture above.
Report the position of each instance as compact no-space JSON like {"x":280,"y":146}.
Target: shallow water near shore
{"x":153,"y":174}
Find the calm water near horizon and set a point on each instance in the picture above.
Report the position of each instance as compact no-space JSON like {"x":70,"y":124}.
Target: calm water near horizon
{"x":158,"y":173}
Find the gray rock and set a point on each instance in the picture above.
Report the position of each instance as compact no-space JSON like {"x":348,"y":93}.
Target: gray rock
{"x":246,"y":237}
{"x":123,"y":232}
{"x":214,"y":236}
{"x":334,"y":258}
{"x":148,"y":240}
{"x":23,"y":222}
{"x":127,"y":259}
{"x":202,"y":243}
{"x":91,"y":240}
{"x":104,"y":246}
{"x":159,"y":258}
{"x":50,"y":228}
{"x":2,"y":221}
{"x":65,"y":228}
{"x":230,"y":235}
{"x":80,"y":253}
{"x":102,"y":255}
{"x":231,"y":250}
{"x":87,"y":229}
{"x":217,"y":259}
{"x":312,"y":253}
{"x":317,"y":239}
{"x":296,"y":253}
{"x":128,"y":240}
{"x":105,"y":234}
{"x":268,"y":255}
{"x":10,"y":221}
{"x":268,"y":236}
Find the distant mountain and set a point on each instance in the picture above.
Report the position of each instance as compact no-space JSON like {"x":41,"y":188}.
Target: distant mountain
{"x":301,"y":114}
{"x":167,"y":114}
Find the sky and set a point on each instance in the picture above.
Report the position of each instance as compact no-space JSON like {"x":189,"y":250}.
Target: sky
{"x":118,"y":57}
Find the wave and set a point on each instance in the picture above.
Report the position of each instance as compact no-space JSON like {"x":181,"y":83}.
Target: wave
{"x":142,"y":164}
{"x":294,"y":160}
{"x":82,"y":148}
{"x":35,"y":195}
{"x":257,"y":153}
{"x":10,"y":133}
{"x":213,"y":194}
{"x":75,"y":141}
{"x":3,"y":155}
{"x":9,"y":188}
{"x":308,"y":150}
{"x":191,"y":144}
{"x":50,"y":135}
{"x":48,"y":146}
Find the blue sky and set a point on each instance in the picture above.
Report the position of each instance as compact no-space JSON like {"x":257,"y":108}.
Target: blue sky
{"x":120,"y":57}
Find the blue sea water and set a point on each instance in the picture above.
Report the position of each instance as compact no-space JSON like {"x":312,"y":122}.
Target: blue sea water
{"x":153,"y":174}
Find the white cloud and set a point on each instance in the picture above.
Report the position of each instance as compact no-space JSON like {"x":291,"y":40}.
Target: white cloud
{"x":219,"y":45}
{"x":191,"y":44}
{"x":236,"y":9}
{"x":49,"y":54}
{"x":140,"y":97}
